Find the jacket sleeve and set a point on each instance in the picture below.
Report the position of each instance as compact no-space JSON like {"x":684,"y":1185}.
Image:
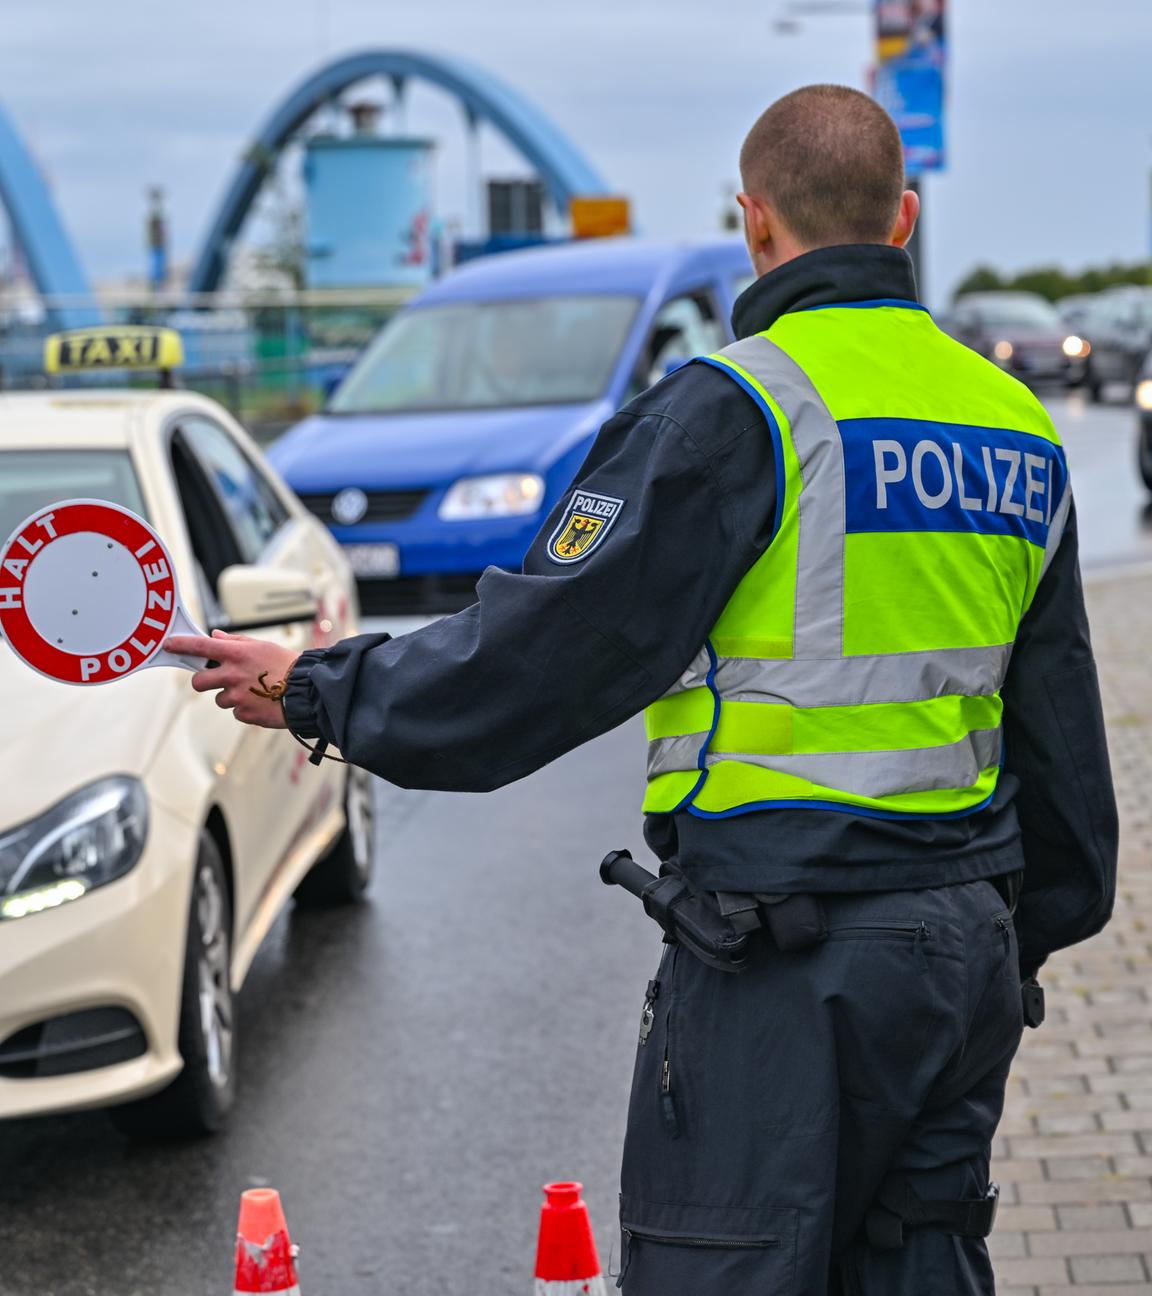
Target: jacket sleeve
{"x":1055,"y":747}
{"x":557,"y":654}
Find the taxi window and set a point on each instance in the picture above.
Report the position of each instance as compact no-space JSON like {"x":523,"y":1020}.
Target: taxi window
{"x":252,"y":506}
{"x":29,"y":479}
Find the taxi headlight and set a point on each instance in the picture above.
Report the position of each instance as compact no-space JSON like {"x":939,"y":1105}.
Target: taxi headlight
{"x":1144,"y":394}
{"x":90,"y":838}
{"x":1075,"y":347}
{"x":1003,"y":350}
{"x":502,"y":495}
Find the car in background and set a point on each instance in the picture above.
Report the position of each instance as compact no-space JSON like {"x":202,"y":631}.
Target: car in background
{"x":1144,"y":427}
{"x":466,"y":419}
{"x":1022,"y":333}
{"x":148,"y":841}
{"x":1075,"y":311}
{"x":1118,"y":325}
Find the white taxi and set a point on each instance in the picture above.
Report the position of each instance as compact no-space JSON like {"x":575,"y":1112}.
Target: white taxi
{"x":147,"y":841}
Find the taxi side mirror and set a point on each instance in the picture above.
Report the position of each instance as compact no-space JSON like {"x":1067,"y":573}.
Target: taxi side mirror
{"x":255,"y":597}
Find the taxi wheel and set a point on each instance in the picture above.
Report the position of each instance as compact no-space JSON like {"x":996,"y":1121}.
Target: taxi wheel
{"x":199,"y":1099}
{"x":342,"y":876}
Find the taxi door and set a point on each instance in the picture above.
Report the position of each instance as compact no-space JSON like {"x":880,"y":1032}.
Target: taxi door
{"x":236,"y":516}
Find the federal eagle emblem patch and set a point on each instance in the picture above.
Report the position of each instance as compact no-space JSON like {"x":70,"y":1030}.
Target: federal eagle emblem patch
{"x":583,"y":525}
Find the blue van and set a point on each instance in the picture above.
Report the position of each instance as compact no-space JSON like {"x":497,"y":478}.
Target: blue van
{"x":466,"y":418}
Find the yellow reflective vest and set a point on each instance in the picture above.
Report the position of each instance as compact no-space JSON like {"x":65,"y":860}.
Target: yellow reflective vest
{"x":920,"y":495}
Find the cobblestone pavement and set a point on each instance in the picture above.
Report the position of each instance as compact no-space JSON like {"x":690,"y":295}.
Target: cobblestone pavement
{"x":1074,"y":1152}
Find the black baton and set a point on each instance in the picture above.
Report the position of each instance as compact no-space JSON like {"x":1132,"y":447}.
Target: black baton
{"x":682,"y":914}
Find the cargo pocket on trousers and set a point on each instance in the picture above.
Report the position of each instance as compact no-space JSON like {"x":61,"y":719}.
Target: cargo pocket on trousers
{"x":677,"y":1250}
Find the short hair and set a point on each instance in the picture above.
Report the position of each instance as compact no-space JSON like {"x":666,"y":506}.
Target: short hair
{"x":829,"y":161}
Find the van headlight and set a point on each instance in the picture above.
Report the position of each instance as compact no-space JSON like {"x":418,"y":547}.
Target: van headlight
{"x":87,"y":840}
{"x":501,"y":495}
{"x":1144,"y":394}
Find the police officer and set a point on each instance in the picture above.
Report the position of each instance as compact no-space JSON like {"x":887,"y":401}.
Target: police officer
{"x":836,"y":562}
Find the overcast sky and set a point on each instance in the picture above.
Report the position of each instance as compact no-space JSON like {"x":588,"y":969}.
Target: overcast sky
{"x":1050,"y":123}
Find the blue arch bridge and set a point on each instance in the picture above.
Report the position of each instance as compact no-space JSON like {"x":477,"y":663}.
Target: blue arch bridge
{"x":55,"y":266}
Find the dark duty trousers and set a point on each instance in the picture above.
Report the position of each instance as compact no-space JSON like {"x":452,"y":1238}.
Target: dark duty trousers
{"x":767,"y":1108}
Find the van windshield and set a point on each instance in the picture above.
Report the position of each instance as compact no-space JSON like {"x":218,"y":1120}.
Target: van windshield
{"x":490,"y":354}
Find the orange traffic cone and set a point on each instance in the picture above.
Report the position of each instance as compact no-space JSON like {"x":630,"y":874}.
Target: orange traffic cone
{"x":265,"y":1256}
{"x":566,"y":1259}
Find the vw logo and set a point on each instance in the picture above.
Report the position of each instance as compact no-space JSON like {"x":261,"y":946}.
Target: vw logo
{"x":349,"y":506}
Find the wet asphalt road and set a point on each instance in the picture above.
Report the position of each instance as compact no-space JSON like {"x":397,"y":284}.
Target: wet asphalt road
{"x":1111,"y":502}
{"x":415,"y":1068}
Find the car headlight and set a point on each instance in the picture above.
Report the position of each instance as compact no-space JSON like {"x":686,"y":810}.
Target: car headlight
{"x":90,"y":838}
{"x":1003,"y":350}
{"x":502,"y":495}
{"x":1075,"y":347}
{"x":1144,"y":394}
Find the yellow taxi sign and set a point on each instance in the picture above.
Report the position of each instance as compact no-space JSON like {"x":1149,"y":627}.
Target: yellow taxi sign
{"x":600,"y":217}
{"x":126,"y":347}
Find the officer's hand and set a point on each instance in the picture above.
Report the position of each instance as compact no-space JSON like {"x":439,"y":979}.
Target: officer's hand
{"x":245,"y":664}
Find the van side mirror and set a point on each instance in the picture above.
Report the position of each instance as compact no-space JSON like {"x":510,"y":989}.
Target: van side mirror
{"x":254,"y":597}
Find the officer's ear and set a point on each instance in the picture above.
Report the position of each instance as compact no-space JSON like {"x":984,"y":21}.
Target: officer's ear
{"x":756,"y":228}
{"x":759,"y":231}
{"x":905,"y":219}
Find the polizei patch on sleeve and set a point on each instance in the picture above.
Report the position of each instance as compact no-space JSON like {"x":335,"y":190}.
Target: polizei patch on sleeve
{"x":584,"y":524}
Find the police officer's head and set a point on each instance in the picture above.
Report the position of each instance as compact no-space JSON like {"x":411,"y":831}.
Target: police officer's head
{"x":823,"y":166}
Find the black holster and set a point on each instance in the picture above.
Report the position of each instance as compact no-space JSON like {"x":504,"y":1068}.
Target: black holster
{"x":716,"y":927}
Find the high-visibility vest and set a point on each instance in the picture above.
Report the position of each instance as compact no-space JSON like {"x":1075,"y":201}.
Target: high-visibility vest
{"x":920,"y":494}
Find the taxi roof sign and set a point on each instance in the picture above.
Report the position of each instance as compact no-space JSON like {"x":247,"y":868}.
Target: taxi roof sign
{"x":111,"y":347}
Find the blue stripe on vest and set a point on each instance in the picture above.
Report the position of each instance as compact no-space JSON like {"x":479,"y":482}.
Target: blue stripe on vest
{"x":901,"y":302}
{"x":918,"y":475}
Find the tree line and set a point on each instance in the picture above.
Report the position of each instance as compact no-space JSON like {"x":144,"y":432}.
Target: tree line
{"x":1055,"y":282}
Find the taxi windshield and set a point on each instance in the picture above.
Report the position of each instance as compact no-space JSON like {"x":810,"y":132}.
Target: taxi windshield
{"x":490,"y":354}
{"x":29,"y":479}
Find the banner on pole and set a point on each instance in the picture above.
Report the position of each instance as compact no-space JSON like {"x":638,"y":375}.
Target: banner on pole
{"x":911,"y":53}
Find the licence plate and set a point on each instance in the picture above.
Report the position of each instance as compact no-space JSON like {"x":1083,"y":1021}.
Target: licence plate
{"x":381,"y":561}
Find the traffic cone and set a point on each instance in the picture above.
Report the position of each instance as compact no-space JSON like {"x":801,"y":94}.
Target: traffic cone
{"x":265,"y":1256}
{"x":566,"y":1259}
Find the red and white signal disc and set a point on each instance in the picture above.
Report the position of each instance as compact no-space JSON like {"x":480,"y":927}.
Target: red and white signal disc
{"x":87,"y":592}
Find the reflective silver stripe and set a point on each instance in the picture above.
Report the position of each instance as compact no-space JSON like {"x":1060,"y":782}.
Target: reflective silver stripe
{"x":819,"y":630}
{"x":1056,"y":529}
{"x":854,"y":681}
{"x":695,"y":674}
{"x":887,"y":773}
{"x":669,"y":755}
{"x":870,"y":774}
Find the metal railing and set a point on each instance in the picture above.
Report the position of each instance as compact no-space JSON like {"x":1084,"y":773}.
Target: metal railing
{"x":271,"y":357}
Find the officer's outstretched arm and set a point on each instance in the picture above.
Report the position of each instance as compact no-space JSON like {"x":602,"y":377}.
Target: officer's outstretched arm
{"x":618,"y":592}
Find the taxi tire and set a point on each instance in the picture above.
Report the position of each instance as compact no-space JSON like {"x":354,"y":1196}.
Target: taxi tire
{"x":194,"y":1104}
{"x":344,"y":873}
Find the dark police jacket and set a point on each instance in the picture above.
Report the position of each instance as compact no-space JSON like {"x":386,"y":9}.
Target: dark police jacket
{"x":559,"y":653}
